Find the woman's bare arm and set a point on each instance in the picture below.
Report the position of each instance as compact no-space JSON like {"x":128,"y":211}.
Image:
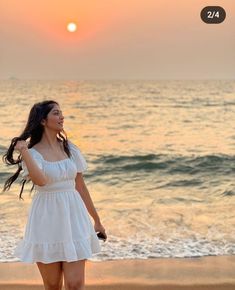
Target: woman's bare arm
{"x":35,"y":173}
{"x":82,"y":189}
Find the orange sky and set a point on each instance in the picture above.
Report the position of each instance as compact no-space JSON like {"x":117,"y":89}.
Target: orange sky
{"x":134,"y":39}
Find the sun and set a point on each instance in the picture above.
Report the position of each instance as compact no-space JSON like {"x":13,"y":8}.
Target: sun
{"x":71,"y":27}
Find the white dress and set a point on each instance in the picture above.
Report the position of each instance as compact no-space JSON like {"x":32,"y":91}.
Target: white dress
{"x":58,"y":226}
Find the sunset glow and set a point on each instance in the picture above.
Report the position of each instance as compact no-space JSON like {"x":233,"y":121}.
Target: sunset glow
{"x":115,"y":39}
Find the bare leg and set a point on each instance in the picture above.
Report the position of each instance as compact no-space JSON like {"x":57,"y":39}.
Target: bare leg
{"x":74,"y":275}
{"x":52,"y":275}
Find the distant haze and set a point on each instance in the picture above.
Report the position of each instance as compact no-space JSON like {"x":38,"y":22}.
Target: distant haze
{"x":116,"y":39}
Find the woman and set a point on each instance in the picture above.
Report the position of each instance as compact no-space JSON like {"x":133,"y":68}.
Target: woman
{"x":59,"y":235}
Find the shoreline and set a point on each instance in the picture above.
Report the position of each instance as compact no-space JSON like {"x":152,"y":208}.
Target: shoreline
{"x":206,"y":273}
{"x":127,"y":287}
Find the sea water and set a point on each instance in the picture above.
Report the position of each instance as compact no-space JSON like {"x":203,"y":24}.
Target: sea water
{"x":161,"y":163}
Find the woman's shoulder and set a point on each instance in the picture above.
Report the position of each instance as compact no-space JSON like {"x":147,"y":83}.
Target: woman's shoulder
{"x":74,"y":149}
{"x":72,"y":145}
{"x":35,"y":152}
{"x":78,"y":157}
{"x":35,"y":147}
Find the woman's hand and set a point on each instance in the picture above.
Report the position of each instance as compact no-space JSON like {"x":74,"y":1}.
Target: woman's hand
{"x":99,"y":228}
{"x":21,"y":145}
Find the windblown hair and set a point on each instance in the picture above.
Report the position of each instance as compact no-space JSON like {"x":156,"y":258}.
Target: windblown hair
{"x":33,"y":130}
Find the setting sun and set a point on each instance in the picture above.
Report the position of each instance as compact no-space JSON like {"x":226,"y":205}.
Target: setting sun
{"x":72,"y":27}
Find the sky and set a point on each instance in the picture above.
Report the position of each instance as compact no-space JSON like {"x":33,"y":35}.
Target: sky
{"x":115,"y":39}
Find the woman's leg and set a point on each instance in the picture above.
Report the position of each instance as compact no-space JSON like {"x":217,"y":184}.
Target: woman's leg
{"x":74,"y":275}
{"x":52,"y":275}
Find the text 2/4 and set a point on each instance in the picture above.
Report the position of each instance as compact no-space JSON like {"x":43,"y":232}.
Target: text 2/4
{"x":213,"y":14}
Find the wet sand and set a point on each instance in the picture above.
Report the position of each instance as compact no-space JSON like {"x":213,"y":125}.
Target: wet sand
{"x":217,"y":273}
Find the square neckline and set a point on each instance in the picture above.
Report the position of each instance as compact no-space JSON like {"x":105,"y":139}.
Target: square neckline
{"x":48,"y":160}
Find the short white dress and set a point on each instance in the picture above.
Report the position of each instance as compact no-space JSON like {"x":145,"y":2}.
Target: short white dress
{"x":58,"y":227}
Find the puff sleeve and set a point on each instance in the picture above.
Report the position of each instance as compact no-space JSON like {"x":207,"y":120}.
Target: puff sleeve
{"x":78,"y":157}
{"x":38,"y":160}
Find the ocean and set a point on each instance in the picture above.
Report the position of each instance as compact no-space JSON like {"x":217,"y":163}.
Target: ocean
{"x":160,"y":156}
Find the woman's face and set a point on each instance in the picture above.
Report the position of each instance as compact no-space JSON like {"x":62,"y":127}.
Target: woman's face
{"x":55,"y":119}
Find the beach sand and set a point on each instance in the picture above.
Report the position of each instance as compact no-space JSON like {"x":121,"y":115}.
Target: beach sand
{"x":207,"y":273}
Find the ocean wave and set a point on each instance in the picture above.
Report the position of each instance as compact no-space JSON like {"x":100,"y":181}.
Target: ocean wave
{"x":170,"y":164}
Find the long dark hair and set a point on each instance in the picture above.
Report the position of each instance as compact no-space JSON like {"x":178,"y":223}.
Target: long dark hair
{"x":33,"y":130}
